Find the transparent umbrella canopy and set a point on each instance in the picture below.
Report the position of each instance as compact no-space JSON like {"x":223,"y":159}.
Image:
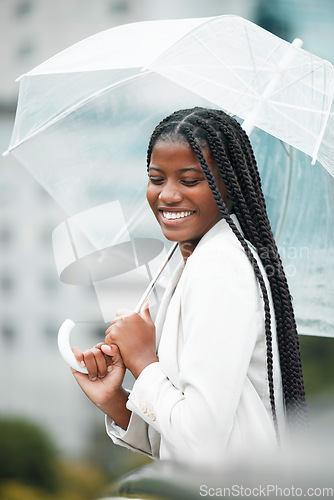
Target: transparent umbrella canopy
{"x":85,"y":116}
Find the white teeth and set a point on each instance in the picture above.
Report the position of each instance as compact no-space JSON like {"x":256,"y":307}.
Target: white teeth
{"x":176,"y":215}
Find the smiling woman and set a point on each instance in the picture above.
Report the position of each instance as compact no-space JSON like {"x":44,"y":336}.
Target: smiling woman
{"x":179,"y":194}
{"x":218,"y":375}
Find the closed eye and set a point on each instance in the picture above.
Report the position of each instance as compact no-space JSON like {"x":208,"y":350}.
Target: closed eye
{"x":185,"y":182}
{"x":192,"y":182}
{"x":156,"y":180}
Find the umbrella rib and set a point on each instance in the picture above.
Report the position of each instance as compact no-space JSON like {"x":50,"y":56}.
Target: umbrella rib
{"x":298,"y":124}
{"x":222,"y":63}
{"x":301,"y":108}
{"x":257,"y":73}
{"x":310,"y":71}
{"x":177,"y":42}
{"x":76,"y":106}
{"x":273,"y":104}
{"x":318,"y":137}
{"x":209,"y":80}
{"x":278,"y":110}
{"x":322,"y":132}
{"x":218,"y":84}
{"x":265,"y":62}
{"x":287,"y":195}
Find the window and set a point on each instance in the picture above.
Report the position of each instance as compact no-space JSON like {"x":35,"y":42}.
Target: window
{"x":6,"y":236}
{"x":24,"y":50}
{"x":50,"y":282}
{"x":119,"y":7}
{"x":23,"y":8}
{"x":7,"y":282}
{"x":8,"y":332}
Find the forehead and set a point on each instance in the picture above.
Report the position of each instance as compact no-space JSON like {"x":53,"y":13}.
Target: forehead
{"x":168,"y":148}
{"x":177,"y":154}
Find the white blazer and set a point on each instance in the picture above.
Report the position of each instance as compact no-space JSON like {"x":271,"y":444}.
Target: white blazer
{"x":207,"y":399}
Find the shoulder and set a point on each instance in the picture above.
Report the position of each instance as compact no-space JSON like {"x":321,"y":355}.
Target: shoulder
{"x":219,"y":289}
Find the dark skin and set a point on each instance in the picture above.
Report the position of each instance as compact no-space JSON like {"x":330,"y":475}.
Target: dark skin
{"x":177,"y":185}
{"x":182,"y":202}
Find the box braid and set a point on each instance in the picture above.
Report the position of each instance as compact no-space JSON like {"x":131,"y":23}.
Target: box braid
{"x":233,"y":155}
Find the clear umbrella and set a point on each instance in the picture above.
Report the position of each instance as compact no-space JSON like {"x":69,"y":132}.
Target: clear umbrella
{"x":85,"y":116}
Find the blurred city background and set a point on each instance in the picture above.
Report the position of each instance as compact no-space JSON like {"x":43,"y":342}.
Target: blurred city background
{"x":41,"y":407}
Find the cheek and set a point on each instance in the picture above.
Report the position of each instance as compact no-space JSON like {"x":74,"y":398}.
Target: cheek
{"x":211,"y":210}
{"x":208,"y":202}
{"x":151,"y":195}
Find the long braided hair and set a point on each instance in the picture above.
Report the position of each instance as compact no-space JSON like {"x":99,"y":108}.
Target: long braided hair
{"x":233,"y":155}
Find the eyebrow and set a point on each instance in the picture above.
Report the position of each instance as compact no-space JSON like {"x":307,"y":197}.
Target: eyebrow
{"x":187,"y":169}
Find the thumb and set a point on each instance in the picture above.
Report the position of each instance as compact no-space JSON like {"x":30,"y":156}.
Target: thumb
{"x":145,"y":312}
{"x":123,"y":312}
{"x":113,"y":351}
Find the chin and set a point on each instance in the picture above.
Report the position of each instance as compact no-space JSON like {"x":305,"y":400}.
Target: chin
{"x":171,"y":237}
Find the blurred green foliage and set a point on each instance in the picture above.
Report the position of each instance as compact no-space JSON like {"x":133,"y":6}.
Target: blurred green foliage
{"x":27,"y":454}
{"x":32,"y":469}
{"x":317,"y":355}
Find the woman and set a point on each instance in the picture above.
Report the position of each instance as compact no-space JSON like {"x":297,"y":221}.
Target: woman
{"x":219,"y":375}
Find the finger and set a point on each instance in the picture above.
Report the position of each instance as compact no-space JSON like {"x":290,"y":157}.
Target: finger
{"x":78,"y":356}
{"x":91,"y":365}
{"x":110,"y":350}
{"x":109,"y":338}
{"x":98,"y":346}
{"x":107,"y":358}
{"x":120,"y":314}
{"x":145,"y":306}
{"x":145,"y":312}
{"x":113,"y":323}
{"x":124,"y":312}
{"x":113,"y":336}
{"x":101,"y":363}
{"x":113,"y":351}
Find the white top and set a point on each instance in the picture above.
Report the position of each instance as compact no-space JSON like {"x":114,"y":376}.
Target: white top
{"x":207,"y":399}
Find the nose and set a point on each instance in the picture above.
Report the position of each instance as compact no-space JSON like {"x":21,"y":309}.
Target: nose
{"x":170,"y":193}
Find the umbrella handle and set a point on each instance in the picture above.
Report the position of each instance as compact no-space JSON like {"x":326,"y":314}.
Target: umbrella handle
{"x":65,"y":346}
{"x":68,"y":325}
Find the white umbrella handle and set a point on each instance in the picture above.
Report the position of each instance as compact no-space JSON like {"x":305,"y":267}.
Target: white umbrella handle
{"x":65,"y":346}
{"x":68,"y":325}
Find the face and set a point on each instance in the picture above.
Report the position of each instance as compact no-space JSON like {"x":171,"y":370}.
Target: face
{"x":179,"y":194}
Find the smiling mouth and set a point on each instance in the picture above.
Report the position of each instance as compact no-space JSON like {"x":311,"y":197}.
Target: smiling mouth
{"x":176,"y":215}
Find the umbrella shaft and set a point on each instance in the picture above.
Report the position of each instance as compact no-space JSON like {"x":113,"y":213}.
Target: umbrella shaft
{"x":155,"y":279}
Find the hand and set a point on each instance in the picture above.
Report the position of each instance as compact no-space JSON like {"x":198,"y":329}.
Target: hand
{"x":105,"y":376}
{"x":97,"y":364}
{"x":134,"y":334}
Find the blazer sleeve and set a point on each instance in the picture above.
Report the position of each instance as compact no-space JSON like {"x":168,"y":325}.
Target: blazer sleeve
{"x":221,"y":315}
{"x":137,"y":437}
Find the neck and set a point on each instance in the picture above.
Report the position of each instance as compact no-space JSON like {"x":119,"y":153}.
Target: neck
{"x":187,"y":248}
